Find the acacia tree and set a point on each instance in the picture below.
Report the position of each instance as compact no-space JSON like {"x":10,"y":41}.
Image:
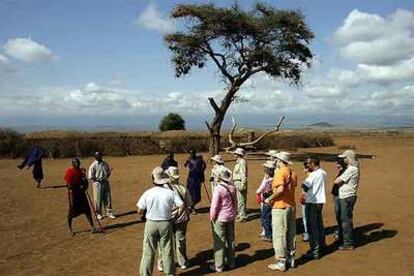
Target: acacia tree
{"x":240,"y":43}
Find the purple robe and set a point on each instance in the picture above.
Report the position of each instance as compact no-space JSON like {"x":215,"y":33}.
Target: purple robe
{"x":196,"y":168}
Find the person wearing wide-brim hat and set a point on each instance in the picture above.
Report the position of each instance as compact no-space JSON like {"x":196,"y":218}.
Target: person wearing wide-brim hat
{"x":157,"y":203}
{"x":217,"y":167}
{"x":223,"y":212}
{"x":348,"y":183}
{"x":180,"y":219}
{"x":272,"y":156}
{"x":263,"y":192}
{"x":282,"y":201}
{"x":99,"y":172}
{"x":240,"y":181}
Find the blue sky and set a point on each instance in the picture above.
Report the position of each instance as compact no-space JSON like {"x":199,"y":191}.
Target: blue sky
{"x":90,"y":63}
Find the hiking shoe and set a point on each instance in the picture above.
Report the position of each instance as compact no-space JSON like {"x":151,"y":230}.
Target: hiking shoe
{"x":159,"y":266}
{"x":346,"y":247}
{"x":112,"y":216}
{"x":212,"y":267}
{"x":279,"y":265}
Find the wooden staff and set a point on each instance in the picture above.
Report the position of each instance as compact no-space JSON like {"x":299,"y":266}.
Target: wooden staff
{"x":94,"y":212}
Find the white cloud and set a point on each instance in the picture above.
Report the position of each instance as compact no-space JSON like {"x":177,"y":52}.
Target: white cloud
{"x":27,"y":50}
{"x":372,"y":39}
{"x":402,"y":71}
{"x":5,"y":65}
{"x":152,"y":19}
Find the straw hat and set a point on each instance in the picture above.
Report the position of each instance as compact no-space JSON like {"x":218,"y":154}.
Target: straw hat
{"x":173,"y":172}
{"x":271,"y":153}
{"x":284,"y":156}
{"x":239,"y":151}
{"x":159,"y":176}
{"x":217,"y":158}
{"x":269,"y":165}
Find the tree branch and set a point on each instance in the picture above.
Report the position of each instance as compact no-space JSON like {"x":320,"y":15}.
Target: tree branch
{"x":221,"y":66}
{"x":214,"y":105}
{"x":209,"y":127}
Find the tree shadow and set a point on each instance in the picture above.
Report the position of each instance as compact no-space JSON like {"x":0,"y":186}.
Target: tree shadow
{"x":363,"y":235}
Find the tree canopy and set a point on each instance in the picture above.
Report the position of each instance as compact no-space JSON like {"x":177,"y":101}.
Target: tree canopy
{"x":172,"y":121}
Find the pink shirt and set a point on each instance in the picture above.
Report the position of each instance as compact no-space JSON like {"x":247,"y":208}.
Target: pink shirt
{"x":224,"y":203}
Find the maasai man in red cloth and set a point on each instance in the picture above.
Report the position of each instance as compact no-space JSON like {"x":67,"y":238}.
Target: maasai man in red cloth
{"x":77,"y":184}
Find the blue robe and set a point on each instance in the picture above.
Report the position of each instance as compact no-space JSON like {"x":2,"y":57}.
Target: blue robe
{"x":34,"y":159}
{"x":196,"y":168}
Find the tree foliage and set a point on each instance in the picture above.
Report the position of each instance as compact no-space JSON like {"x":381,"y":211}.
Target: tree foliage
{"x":172,"y":121}
{"x":240,"y":43}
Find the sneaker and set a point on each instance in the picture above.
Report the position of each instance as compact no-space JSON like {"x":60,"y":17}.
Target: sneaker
{"x":305,"y":237}
{"x":159,"y":266}
{"x":212,"y":267}
{"x":112,"y":216}
{"x":346,"y":247}
{"x":98,"y":216}
{"x":279,"y":265}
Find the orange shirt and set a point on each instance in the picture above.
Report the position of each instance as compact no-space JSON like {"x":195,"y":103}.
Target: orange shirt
{"x":287,"y":177}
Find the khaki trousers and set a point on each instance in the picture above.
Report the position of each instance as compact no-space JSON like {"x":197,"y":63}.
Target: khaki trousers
{"x":241,"y":201}
{"x":157,"y":233}
{"x":284,"y":232}
{"x":180,"y":240}
{"x":223,"y":244}
{"x":102,"y":197}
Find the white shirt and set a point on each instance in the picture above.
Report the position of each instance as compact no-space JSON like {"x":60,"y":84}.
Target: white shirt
{"x":350,"y":177}
{"x":316,"y":182}
{"x":99,"y":171}
{"x":159,"y":203}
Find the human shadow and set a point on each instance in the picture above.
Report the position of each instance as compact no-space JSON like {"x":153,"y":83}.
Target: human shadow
{"x":203,"y":210}
{"x":199,"y":263}
{"x":363,"y":235}
{"x":127,"y":213}
{"x":53,"y":186}
{"x":121,"y":225}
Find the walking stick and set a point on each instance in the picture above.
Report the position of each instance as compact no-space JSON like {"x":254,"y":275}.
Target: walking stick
{"x":94,"y":212}
{"x":208,"y":195}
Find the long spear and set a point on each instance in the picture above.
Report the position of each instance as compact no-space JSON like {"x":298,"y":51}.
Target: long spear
{"x":94,"y":212}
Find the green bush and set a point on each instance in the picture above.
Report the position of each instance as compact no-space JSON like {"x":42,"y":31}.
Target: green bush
{"x":172,"y":121}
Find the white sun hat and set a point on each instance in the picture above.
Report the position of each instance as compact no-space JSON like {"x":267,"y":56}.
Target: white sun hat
{"x":224,"y":175}
{"x":217,"y":158}
{"x":173,"y":172}
{"x":284,"y":156}
{"x":239,"y":151}
{"x":159,"y":176}
{"x":271,"y":153}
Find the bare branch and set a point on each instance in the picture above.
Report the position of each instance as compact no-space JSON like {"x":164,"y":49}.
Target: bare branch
{"x":209,"y":127}
{"x":252,"y":143}
{"x":222,"y":66}
{"x":214,"y":105}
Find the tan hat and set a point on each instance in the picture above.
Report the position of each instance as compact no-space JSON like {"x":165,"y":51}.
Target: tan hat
{"x":269,"y":165}
{"x":173,"y":172}
{"x":224,"y":175}
{"x":348,"y":154}
{"x":271,"y":153}
{"x":239,"y":151}
{"x":217,"y":158}
{"x":159,"y":176}
{"x":284,"y":156}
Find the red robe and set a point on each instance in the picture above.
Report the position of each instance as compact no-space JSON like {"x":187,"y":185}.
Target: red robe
{"x":77,"y":183}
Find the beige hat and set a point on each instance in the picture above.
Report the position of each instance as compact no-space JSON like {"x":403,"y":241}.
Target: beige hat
{"x":224,"y":175}
{"x":217,"y":158}
{"x":239,"y":151}
{"x":269,"y":165}
{"x":271,"y":153}
{"x":173,"y":172}
{"x":159,"y":176}
{"x":348,"y":154}
{"x":284,"y":156}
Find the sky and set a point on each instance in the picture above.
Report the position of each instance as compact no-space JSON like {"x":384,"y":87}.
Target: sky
{"x":103,"y":64}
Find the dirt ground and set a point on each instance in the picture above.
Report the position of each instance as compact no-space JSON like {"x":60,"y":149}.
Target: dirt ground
{"x":34,"y":235}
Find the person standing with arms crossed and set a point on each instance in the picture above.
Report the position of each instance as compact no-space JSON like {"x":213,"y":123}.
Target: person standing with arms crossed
{"x":283,"y":213}
{"x":240,"y":181}
{"x":99,"y":173}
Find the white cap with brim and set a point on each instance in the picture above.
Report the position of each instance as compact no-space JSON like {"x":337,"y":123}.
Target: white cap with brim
{"x":239,"y":151}
{"x":159,"y":176}
{"x":283,"y":156}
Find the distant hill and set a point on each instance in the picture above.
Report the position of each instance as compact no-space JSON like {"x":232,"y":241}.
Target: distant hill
{"x":320,"y":124}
